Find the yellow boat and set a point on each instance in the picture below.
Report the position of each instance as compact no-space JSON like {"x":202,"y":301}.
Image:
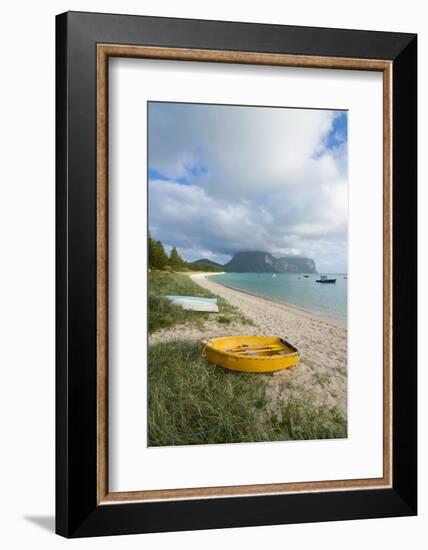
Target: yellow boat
{"x":251,"y":353}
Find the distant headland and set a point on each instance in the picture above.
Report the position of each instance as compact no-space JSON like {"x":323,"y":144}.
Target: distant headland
{"x":242,"y":262}
{"x":263,"y":262}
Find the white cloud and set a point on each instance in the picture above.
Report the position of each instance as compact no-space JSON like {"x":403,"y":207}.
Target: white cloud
{"x":256,"y":179}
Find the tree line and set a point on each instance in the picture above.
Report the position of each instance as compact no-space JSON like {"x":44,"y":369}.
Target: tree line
{"x":159,"y":259}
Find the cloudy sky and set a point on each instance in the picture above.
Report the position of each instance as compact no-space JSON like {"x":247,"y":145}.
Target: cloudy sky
{"x":225,"y":178}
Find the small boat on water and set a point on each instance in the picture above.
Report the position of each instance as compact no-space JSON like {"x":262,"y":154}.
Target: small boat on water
{"x":305,"y":276}
{"x":251,"y":353}
{"x":325,"y":279}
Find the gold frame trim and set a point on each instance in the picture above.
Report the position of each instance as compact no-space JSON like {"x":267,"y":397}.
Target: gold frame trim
{"x":104,"y":51}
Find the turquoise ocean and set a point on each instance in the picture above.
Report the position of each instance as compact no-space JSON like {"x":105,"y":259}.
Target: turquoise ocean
{"x":325,"y":300}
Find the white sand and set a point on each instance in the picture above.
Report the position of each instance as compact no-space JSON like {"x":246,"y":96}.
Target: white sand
{"x":321,"y":373}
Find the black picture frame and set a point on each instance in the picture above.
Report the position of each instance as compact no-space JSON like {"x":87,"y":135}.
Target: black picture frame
{"x":77,"y":511}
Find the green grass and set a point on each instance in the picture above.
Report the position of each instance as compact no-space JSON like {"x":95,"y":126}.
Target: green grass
{"x":161,"y":283}
{"x":224,"y":320}
{"x":322,"y":378}
{"x":193,"y":402}
{"x":164,"y":314}
{"x":299,"y":419}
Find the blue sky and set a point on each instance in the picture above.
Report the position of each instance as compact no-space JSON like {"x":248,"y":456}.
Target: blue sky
{"x":338,"y":132}
{"x":227,"y":178}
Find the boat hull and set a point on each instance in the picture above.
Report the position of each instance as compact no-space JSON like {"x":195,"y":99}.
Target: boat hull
{"x":251,"y":353}
{"x":327,"y":282}
{"x":195,"y":303}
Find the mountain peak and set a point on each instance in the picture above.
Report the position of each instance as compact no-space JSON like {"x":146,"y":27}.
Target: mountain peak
{"x":264,"y":262}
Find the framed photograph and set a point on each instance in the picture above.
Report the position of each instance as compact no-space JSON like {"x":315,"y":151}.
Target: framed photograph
{"x":236,"y":274}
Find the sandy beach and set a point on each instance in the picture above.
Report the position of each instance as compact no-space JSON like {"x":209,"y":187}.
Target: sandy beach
{"x":321,"y":373}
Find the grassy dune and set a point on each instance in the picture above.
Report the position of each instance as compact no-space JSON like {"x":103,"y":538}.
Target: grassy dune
{"x":164,"y":314}
{"x":193,"y":402}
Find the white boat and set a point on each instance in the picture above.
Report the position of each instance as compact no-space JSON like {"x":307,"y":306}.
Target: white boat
{"x":195,"y":303}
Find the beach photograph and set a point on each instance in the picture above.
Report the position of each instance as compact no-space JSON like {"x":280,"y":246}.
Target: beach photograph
{"x":247,"y":274}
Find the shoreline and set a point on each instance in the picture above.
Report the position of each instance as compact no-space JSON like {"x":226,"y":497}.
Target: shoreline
{"x":320,"y":376}
{"x":328,"y":320}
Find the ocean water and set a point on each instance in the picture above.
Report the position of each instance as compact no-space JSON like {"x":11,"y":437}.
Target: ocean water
{"x":325,"y":300}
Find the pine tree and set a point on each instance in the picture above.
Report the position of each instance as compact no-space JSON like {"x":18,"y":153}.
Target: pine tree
{"x":161,"y":256}
{"x":151,"y":251}
{"x":158,"y":258}
{"x":175,"y":260}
